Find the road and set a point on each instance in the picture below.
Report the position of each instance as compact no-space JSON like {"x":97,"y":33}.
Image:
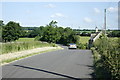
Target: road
{"x":64,"y":63}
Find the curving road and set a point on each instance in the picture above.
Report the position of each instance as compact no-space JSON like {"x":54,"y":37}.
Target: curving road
{"x":64,"y":63}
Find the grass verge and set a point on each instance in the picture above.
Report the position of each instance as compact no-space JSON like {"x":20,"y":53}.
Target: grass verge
{"x":25,"y":39}
{"x":19,"y":46}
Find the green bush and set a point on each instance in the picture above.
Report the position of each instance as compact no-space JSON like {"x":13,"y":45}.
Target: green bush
{"x":53,"y":44}
{"x":81,"y":46}
{"x":107,"y":65}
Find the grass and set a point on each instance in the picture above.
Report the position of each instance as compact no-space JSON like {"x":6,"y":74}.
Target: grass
{"x":25,"y":39}
{"x":113,"y":38}
{"x":84,"y":39}
{"x":23,"y":44}
{"x":83,"y":42}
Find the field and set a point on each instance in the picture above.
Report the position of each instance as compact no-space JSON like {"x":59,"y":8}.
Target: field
{"x":84,"y":39}
{"x":25,"y":39}
{"x":23,"y":44}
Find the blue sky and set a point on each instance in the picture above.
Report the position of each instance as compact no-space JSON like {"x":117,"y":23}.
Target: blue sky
{"x":83,"y":15}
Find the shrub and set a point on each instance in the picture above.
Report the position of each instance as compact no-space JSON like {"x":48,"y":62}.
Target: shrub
{"x":81,"y":46}
{"x":107,"y":65}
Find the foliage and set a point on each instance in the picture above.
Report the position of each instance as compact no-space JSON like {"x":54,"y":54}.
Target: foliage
{"x":85,"y":34}
{"x":107,"y":58}
{"x":1,"y":25}
{"x":115,"y":33}
{"x":25,"y":33}
{"x":37,"y":32}
{"x":82,"y":46}
{"x":11,"y":31}
{"x":83,"y":42}
{"x":53,"y":34}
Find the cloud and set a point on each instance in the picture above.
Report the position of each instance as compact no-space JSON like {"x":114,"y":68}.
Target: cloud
{"x":57,"y":15}
{"x":87,"y":20}
{"x":28,"y":11}
{"x":97,"y":10}
{"x":50,"y":6}
{"x":112,"y":9}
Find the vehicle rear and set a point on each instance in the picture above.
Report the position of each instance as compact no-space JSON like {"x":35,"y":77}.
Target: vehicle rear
{"x":72,"y":46}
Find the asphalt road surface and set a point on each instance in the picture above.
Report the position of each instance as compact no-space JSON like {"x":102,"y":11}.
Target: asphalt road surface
{"x":64,"y":63}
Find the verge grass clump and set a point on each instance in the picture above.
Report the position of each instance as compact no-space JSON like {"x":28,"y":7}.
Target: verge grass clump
{"x":19,"y":46}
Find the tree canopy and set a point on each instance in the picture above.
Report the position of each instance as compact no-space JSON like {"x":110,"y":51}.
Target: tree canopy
{"x":11,"y":31}
{"x":53,"y":33}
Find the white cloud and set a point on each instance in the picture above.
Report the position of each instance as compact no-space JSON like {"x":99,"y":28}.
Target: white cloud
{"x":97,"y":10}
{"x":88,"y":20}
{"x":50,"y":6}
{"x":57,"y":15}
{"x":112,"y":9}
{"x":28,"y":11}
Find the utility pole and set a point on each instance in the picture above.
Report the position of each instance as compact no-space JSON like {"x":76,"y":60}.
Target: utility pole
{"x":105,"y":21}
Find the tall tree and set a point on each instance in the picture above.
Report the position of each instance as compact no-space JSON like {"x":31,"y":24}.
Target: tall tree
{"x":11,"y":31}
{"x":53,"y":23}
{"x":51,"y":34}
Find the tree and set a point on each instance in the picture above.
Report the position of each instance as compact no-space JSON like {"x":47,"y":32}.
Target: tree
{"x":11,"y":31}
{"x":51,"y":34}
{"x":37,"y":32}
{"x":53,"y":23}
{"x":1,"y":25}
{"x":66,"y":36}
{"x":115,"y":33}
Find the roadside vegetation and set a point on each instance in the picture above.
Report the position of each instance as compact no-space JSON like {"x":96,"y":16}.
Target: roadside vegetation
{"x":107,"y":58}
{"x":16,"y":38}
{"x":51,"y":33}
{"x":83,"y":42}
{"x":19,"y":46}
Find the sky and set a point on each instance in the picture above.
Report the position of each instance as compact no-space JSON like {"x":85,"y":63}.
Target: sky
{"x":77,"y":15}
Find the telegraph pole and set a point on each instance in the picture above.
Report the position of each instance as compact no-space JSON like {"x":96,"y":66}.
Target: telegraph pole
{"x":105,"y":21}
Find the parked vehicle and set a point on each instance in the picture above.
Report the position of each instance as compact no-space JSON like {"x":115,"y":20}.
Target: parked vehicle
{"x":72,"y":46}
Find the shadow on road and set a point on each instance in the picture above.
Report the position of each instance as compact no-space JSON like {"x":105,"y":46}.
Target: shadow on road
{"x":66,"y":76}
{"x":90,"y":67}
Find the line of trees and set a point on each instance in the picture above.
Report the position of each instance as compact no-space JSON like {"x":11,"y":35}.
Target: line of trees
{"x":50,"y":33}
{"x":53,"y":33}
{"x":115,"y":33}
